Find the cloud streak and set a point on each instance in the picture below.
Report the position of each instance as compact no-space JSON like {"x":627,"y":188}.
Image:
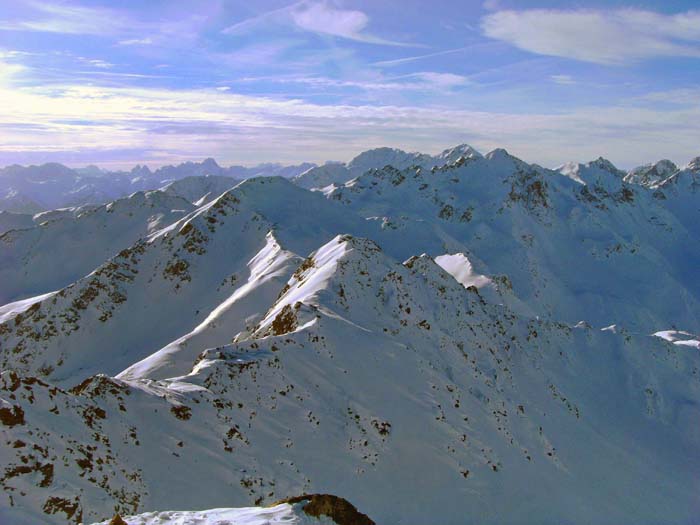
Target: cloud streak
{"x":611,"y":37}
{"x":319,"y":18}
{"x":69,"y":19}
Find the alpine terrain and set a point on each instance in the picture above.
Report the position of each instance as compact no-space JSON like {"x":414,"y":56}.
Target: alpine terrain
{"x":452,"y":338}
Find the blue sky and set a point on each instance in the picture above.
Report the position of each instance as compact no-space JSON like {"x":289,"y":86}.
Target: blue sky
{"x":121,"y":82}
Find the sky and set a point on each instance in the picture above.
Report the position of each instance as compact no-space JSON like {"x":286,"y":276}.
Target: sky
{"x":121,"y":82}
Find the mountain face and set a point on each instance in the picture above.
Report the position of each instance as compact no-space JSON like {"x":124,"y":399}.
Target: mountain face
{"x":452,"y":332}
{"x":34,"y":189}
{"x":14,"y":221}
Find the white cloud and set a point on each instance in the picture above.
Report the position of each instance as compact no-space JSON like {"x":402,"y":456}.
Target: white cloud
{"x":601,"y":36}
{"x":316,"y":17}
{"x":9,"y":71}
{"x":441,"y":80}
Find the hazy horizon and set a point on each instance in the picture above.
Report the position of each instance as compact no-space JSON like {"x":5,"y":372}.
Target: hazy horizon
{"x":125,"y":166}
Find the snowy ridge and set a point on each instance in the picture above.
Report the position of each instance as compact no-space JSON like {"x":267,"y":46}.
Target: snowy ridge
{"x":302,"y":510}
{"x":199,"y":264}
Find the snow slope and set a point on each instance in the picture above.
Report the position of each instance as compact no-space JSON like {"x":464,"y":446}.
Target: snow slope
{"x":278,"y":515}
{"x":366,"y":373}
{"x":302,"y":510}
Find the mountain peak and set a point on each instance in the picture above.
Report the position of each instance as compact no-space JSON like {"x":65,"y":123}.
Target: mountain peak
{"x":605,"y":165}
{"x":498,"y":153}
{"x":452,"y":155}
{"x":210,"y":163}
{"x":650,"y":174}
{"x":463,"y":149}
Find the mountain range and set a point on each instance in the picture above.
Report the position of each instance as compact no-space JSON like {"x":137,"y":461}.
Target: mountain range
{"x":440,"y":339}
{"x":32,"y":189}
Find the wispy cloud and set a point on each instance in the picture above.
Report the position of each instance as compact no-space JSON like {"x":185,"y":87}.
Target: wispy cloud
{"x":426,"y":81}
{"x":679,"y":97}
{"x":317,"y":17}
{"x":125,"y":26}
{"x":96,"y":62}
{"x":406,"y":60}
{"x":562,"y":79}
{"x":188,"y":123}
{"x":147,"y":41}
{"x":68,"y":19}
{"x":9,"y":71}
{"x":615,"y":36}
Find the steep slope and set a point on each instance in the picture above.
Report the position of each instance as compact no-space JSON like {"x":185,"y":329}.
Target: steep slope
{"x":268,"y":271}
{"x":390,"y":383}
{"x":67,"y":244}
{"x":583,"y":245}
{"x":322,"y":176}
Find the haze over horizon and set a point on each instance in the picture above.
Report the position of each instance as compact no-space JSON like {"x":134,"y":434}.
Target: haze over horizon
{"x":116,"y":84}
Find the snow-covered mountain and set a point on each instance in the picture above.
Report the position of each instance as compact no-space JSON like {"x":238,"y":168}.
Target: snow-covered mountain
{"x":651,"y":174}
{"x":424,"y":341}
{"x":200,"y":190}
{"x":363,"y":373}
{"x":583,"y":245}
{"x":32,"y":189}
{"x":64,"y":245}
{"x":340,"y":173}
